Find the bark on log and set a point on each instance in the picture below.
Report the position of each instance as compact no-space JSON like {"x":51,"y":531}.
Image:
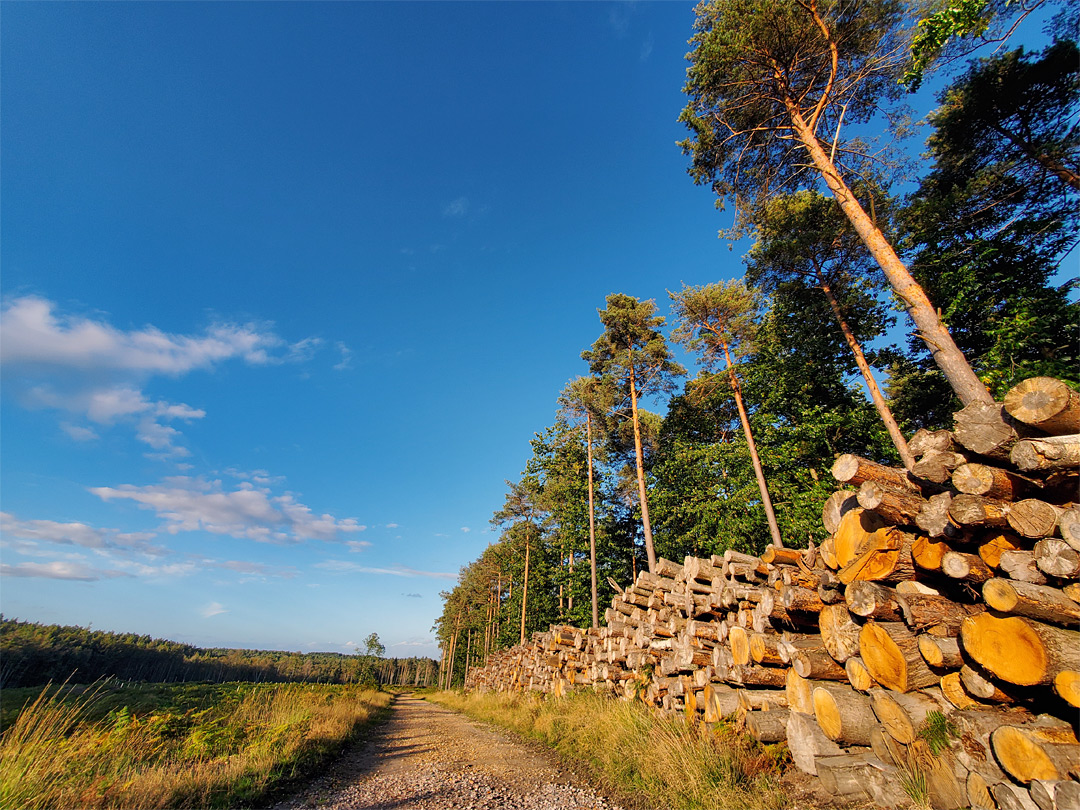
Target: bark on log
{"x":800,"y":600}
{"x":975,"y":510}
{"x":980,"y":686}
{"x":1034,"y":518}
{"x":844,"y":714}
{"x":901,"y":715}
{"x":891,"y":653}
{"x":768,"y":727}
{"x":818,"y":665}
{"x":896,"y":506}
{"x":1047,"y":454}
{"x":937,"y":466}
{"x":764,"y":649}
{"x":854,"y":470}
{"x":1069,"y":526}
{"x":839,"y":503}
{"x":1057,"y":558}
{"x":923,"y":612}
{"x":925,"y":441}
{"x":807,"y":742}
{"x":1020,"y":650}
{"x":989,"y":482}
{"x":940,"y":653}
{"x":872,"y":601}
{"x":1072,"y":590}
{"x":720,"y":701}
{"x":753,"y":675}
{"x":1036,"y":751}
{"x":986,"y":429}
{"x":1011,"y":797}
{"x":968,"y":567}
{"x":1020,"y":565}
{"x":934,"y":517}
{"x":1062,"y":794}
{"x":1039,"y":602}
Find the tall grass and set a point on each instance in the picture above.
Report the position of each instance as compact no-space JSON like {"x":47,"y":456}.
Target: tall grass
{"x":61,"y":752}
{"x":667,"y":762}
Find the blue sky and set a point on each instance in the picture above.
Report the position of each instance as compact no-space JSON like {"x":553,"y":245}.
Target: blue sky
{"x":287,"y":289}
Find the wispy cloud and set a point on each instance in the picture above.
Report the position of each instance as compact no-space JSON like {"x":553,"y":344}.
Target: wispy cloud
{"x":346,"y":357}
{"x":357,"y":545}
{"x":413,"y":595}
{"x":193,"y":504}
{"x":346,"y":567}
{"x":212,"y":609}
{"x":456,"y":208}
{"x":465,"y":529}
{"x":92,"y":370}
{"x":60,"y":569}
{"x":74,"y":533}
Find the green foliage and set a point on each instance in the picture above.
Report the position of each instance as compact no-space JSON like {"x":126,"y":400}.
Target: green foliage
{"x":960,"y":18}
{"x":757,"y":63}
{"x":938,"y":732}
{"x":990,"y":225}
{"x":34,"y":654}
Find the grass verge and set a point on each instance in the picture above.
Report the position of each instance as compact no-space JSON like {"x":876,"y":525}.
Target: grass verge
{"x":182,"y":745}
{"x":663,"y":762}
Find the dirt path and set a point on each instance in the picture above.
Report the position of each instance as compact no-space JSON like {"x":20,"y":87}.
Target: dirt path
{"x":430,"y":758}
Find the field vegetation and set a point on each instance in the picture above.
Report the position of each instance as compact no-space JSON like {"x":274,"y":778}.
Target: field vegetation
{"x":663,"y":762}
{"x":172,"y":745}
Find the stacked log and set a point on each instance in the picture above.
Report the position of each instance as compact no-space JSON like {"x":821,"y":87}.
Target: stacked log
{"x":936,"y":629}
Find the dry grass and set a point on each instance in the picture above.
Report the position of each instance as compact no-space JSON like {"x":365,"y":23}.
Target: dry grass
{"x":56,"y":755}
{"x":664,"y":761}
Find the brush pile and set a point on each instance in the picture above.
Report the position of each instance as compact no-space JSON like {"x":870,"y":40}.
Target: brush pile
{"x":931,"y":642}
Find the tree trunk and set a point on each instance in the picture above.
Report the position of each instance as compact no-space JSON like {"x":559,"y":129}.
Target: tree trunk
{"x":871,"y":384}
{"x":592,"y":525}
{"x":766,"y":501}
{"x":639,"y":457}
{"x":525,"y":592}
{"x":968,"y":387}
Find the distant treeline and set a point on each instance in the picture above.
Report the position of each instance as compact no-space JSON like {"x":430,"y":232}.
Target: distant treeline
{"x":34,"y":654}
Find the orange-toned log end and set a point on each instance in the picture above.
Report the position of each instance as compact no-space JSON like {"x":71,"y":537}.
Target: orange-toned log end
{"x":1007,"y":648}
{"x":891,"y":654}
{"x":1042,"y":753}
{"x":1067,"y":686}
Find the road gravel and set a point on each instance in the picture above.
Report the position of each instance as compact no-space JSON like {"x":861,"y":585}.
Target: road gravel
{"x":427,"y":757}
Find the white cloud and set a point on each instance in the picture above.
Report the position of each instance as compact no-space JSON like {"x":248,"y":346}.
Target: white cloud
{"x":77,"y":534}
{"x":78,"y":432}
{"x":90,"y":368}
{"x":465,"y":529}
{"x":59,"y":570}
{"x":357,"y":545}
{"x":192,"y":504}
{"x":346,"y":357}
{"x":213,"y":609}
{"x":391,"y":525}
{"x":31,"y":333}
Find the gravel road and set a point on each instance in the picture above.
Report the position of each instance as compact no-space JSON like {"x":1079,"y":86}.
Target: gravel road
{"x":430,"y":758}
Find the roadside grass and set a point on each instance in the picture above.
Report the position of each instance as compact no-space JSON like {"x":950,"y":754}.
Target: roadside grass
{"x":173,"y":745}
{"x":662,"y":761}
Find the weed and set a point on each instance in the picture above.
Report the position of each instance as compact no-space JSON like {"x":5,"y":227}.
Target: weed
{"x":938,"y":731}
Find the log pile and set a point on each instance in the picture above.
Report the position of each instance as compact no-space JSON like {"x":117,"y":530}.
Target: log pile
{"x":935,"y":631}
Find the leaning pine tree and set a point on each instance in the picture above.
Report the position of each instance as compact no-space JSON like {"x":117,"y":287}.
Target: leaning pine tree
{"x":718,"y":321}
{"x":771,"y":86}
{"x":632,"y":356}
